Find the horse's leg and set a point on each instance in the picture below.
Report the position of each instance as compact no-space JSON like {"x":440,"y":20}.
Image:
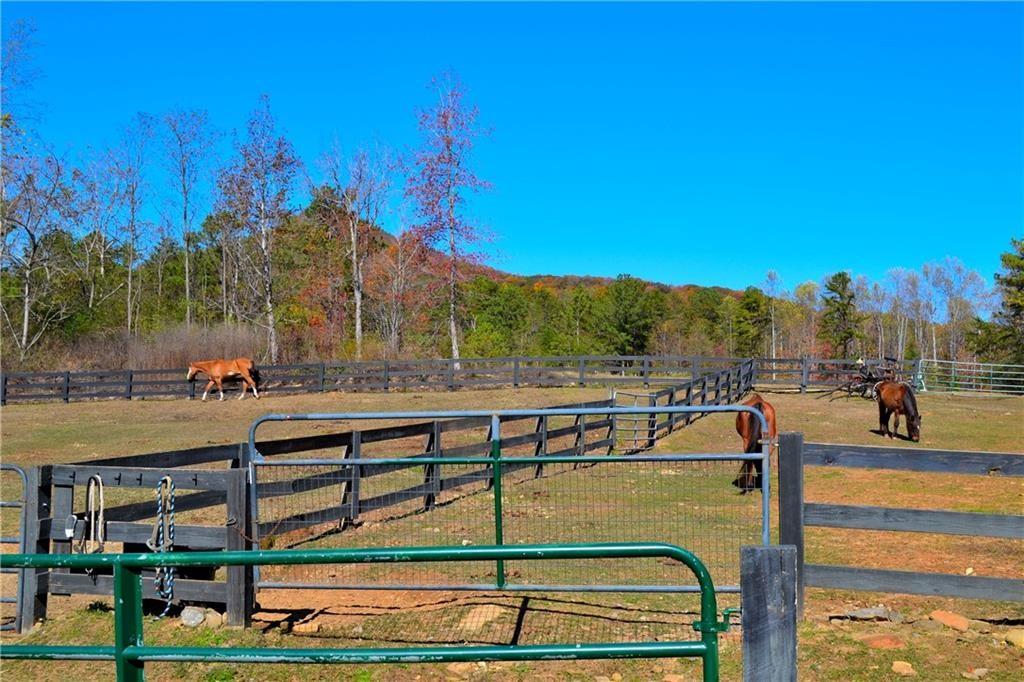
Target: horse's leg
{"x":883,"y":418}
{"x":245,"y":385}
{"x":206,"y":390}
{"x":220,"y":389}
{"x":895,"y":424}
{"x":247,"y":378}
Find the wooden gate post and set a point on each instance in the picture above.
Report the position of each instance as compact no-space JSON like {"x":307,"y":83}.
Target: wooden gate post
{"x":805,"y":374}
{"x":791,"y":504}
{"x":34,"y":590}
{"x":241,"y":595}
{"x":768,"y":605}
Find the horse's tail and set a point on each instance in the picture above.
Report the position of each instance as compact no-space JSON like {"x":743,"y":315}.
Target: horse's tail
{"x":254,"y":371}
{"x":750,"y":472}
{"x":754,"y":444}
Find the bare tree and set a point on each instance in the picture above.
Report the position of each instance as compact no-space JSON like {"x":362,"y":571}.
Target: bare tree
{"x":439,"y":182}
{"x":129,"y":165}
{"x":963,"y":292}
{"x":99,"y":196}
{"x":256,"y":188}
{"x":37,"y":197}
{"x":189,"y":147}
{"x":355,"y":196}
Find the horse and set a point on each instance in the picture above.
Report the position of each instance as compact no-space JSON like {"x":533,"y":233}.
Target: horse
{"x":219,"y":370}
{"x":897,"y":398}
{"x":749,"y":428}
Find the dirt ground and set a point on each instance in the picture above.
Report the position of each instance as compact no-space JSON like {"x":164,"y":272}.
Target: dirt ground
{"x":830,"y":648}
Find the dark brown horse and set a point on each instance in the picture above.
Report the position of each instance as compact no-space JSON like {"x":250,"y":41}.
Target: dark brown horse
{"x":749,"y":428}
{"x":219,"y":370}
{"x":896,"y":398}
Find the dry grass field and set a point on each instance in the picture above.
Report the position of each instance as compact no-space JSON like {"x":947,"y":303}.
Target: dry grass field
{"x":38,"y":434}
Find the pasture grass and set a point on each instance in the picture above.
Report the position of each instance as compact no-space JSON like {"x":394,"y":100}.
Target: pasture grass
{"x":35,"y":434}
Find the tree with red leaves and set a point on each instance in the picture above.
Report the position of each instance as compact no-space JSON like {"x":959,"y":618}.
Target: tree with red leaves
{"x":440,"y":178}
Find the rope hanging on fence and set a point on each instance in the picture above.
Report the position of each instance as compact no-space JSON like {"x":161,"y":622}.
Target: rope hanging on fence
{"x":162,"y":540}
{"x":94,"y":541}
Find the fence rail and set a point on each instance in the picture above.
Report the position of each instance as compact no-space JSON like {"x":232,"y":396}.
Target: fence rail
{"x":130,"y":654}
{"x":587,"y":370}
{"x":795,"y":515}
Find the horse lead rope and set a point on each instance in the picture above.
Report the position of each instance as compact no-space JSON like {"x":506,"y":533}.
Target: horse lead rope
{"x":95,"y":540}
{"x":162,"y":540}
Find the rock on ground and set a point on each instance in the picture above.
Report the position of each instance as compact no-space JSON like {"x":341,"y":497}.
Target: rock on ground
{"x":192,"y":616}
{"x":903,"y":668}
{"x":951,"y":620}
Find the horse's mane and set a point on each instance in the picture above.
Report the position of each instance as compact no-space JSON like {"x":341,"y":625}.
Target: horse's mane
{"x":910,"y":402}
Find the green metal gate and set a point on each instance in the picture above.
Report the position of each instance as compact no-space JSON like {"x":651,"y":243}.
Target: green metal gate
{"x":130,"y":654}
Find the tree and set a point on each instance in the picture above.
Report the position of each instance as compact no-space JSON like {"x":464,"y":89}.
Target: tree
{"x":840,"y":322}
{"x":963,"y":291}
{"x":352,"y":202}
{"x":257,"y":188}
{"x":1002,"y":339}
{"x":129,"y":167}
{"x":188,"y":148}
{"x":439,"y":181}
{"x":772,"y":286}
{"x":629,"y":312}
{"x":37,"y":200}
{"x":753,"y":322}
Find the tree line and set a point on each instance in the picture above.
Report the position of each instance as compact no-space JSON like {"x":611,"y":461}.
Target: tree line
{"x":158,"y":249}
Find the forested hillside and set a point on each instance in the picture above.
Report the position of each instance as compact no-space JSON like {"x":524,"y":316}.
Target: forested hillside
{"x":157,"y":250}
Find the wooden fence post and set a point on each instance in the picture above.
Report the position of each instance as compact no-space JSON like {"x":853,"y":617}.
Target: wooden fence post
{"x":34,"y":590}
{"x":241,"y":596}
{"x":515,"y":372}
{"x":768,"y":604}
{"x":695,"y":370}
{"x":322,"y":375}
{"x":66,"y":391}
{"x":451,"y":374}
{"x":647,"y":371}
{"x":431,"y":472}
{"x":128,"y":385}
{"x":791,"y":504}
{"x":387,"y":376}
{"x":805,"y":374}
{"x":583,"y":372}
{"x":350,"y":497}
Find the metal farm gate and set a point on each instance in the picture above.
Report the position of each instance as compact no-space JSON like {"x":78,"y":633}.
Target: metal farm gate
{"x":473,"y":478}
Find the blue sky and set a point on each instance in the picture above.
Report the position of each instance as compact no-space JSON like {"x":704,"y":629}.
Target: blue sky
{"x":684,"y":143}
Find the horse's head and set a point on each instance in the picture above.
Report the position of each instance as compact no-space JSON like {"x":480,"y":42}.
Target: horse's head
{"x":914,"y":427}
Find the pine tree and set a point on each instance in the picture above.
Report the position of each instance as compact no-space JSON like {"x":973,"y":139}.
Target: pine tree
{"x":1002,"y":339}
{"x":840,"y":322}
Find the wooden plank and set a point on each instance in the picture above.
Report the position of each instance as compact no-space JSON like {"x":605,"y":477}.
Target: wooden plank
{"x":302,"y":520}
{"x":174,"y":458}
{"x":769,"y":614}
{"x":193,"y":537}
{"x":190,"y":590}
{"x":914,"y":520}
{"x":139,"y":477}
{"x":913,"y":459}
{"x":144,"y":510}
{"x":908,"y":582}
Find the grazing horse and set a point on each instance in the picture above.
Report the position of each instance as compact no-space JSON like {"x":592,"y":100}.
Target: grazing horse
{"x":219,"y":370}
{"x":749,"y":428}
{"x":897,"y":398}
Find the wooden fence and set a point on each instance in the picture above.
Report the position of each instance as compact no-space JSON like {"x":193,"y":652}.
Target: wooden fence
{"x":53,"y":525}
{"x":415,"y":375}
{"x":795,"y":514}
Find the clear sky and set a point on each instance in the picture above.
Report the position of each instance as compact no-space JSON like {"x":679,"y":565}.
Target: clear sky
{"x":684,"y":143}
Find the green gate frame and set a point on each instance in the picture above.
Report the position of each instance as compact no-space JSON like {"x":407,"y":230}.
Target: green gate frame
{"x":130,"y":654}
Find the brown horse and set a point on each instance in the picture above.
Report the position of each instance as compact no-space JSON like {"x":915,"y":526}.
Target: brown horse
{"x":749,"y":428}
{"x":896,"y":398}
{"x":219,"y":370}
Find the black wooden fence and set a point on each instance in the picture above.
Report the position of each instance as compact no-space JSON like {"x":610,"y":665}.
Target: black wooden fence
{"x":51,"y":510}
{"x":413,"y":375}
{"x":795,"y":515}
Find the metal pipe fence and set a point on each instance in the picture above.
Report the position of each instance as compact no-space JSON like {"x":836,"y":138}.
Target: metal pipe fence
{"x":514,"y":487}
{"x":974,"y":377}
{"x":130,"y":654}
